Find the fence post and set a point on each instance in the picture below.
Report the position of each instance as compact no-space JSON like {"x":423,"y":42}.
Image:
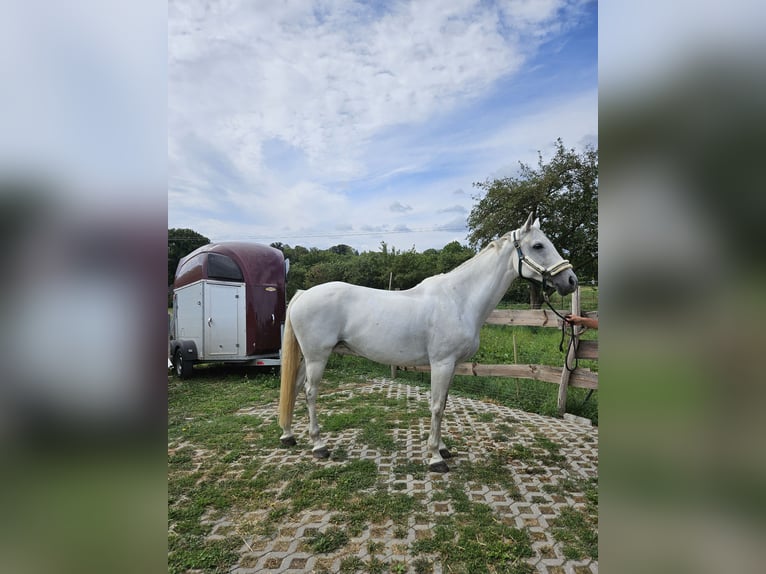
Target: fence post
{"x":570,"y":357}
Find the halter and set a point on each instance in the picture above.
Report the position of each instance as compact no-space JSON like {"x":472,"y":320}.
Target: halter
{"x":546,"y":273}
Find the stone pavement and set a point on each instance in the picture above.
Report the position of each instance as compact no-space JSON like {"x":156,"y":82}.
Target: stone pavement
{"x":475,"y":427}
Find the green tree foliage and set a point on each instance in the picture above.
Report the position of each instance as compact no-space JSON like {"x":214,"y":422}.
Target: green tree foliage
{"x":377,"y":269}
{"x":452,"y":255}
{"x":563,"y":193}
{"x":181,"y":242}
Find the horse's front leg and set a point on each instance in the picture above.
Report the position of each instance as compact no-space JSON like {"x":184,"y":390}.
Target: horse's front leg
{"x":314,"y":372}
{"x":441,"y":379}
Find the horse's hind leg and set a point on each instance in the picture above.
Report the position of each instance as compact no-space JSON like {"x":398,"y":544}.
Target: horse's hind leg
{"x":443,"y":450}
{"x":314,"y":372}
{"x":287,"y":438}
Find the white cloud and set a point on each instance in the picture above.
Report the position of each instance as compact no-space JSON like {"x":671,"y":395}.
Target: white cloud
{"x":399,"y":207}
{"x":291,"y":115}
{"x":531,"y":12}
{"x":242,"y":72}
{"x":453,"y":209}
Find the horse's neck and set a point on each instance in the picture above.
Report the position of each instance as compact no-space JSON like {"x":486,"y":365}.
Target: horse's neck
{"x":481,"y":282}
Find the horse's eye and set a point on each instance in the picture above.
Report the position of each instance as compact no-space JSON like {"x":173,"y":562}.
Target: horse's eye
{"x":537,"y":246}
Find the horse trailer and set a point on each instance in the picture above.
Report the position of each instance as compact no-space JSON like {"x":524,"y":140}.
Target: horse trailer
{"x":228,"y":306}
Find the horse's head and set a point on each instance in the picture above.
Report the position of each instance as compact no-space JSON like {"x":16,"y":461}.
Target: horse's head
{"x":538,"y":260}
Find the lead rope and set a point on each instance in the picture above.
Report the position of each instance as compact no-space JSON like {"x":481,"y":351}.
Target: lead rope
{"x":569,"y":345}
{"x":564,"y":333}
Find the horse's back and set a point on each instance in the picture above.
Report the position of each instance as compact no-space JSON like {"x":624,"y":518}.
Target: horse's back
{"x":381,"y":325}
{"x":341,"y":304}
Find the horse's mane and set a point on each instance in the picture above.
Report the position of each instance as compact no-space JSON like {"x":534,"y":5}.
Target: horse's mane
{"x":491,"y":246}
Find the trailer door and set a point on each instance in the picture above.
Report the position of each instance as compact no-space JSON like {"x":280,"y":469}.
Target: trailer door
{"x":188,"y":312}
{"x":268,"y":319}
{"x":224,"y":320}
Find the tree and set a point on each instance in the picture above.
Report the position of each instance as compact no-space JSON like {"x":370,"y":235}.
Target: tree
{"x":343,"y":249}
{"x":181,"y":242}
{"x":408,"y":269}
{"x":452,"y":255}
{"x":368,"y":269}
{"x":563,"y":193}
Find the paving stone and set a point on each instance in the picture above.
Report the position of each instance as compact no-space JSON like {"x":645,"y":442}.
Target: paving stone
{"x":474,"y":429}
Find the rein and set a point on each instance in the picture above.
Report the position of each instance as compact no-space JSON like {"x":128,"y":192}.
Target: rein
{"x":547,"y":273}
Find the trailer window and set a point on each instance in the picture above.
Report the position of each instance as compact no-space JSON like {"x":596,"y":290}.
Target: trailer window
{"x":195,"y":261}
{"x":223,"y":267}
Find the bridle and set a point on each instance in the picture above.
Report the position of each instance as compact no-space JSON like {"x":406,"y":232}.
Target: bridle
{"x":546,"y":273}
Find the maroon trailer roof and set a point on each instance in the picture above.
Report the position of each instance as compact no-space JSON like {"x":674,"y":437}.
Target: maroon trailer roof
{"x":261,"y":268}
{"x":259,"y":263}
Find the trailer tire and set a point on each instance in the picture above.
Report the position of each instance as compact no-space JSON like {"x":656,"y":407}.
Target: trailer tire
{"x":182,"y":367}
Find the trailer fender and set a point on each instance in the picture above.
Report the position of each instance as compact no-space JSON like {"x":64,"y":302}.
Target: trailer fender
{"x":188,"y":349}
{"x":184,"y":355}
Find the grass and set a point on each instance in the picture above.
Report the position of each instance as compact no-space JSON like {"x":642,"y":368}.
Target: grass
{"x":577,"y":528}
{"x":374,"y":423}
{"x":328,"y":541}
{"x":331,"y":486}
{"x":473,"y":540}
{"x":218,"y":468}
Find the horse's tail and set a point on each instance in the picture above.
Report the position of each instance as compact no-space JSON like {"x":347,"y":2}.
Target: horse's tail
{"x":291,"y":358}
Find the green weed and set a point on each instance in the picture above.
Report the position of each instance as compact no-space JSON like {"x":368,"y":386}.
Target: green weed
{"x":473,"y":541}
{"x":351,"y":564}
{"x":422,"y":566}
{"x":328,"y":541}
{"x":377,"y":507}
{"x":330,"y":486}
{"x":192,"y":552}
{"x":577,"y":529}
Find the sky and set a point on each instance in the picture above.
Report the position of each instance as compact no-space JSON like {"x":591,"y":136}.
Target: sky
{"x":317,"y":123}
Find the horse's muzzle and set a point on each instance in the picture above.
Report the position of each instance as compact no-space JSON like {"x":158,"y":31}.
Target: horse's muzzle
{"x":565,"y":282}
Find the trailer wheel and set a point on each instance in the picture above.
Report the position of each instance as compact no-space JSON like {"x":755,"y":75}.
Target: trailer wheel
{"x":182,"y":366}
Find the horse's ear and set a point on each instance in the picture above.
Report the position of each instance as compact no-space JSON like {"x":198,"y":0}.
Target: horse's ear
{"x":536,"y":223}
{"x":528,"y":224}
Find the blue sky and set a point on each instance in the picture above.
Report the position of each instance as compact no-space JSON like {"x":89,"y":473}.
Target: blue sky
{"x":318,"y":123}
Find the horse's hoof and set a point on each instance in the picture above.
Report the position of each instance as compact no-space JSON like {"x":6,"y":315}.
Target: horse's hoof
{"x":445,"y":453}
{"x":289,"y":441}
{"x":440,"y":466}
{"x":321,"y":452}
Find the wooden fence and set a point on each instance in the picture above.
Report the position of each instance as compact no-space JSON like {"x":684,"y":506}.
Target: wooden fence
{"x":581,"y":377}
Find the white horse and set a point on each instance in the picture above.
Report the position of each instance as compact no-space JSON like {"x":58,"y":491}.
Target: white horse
{"x":435,"y":323}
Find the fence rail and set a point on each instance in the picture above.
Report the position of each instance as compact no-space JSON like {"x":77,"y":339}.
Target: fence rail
{"x":580,"y":377}
{"x":525,"y":318}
